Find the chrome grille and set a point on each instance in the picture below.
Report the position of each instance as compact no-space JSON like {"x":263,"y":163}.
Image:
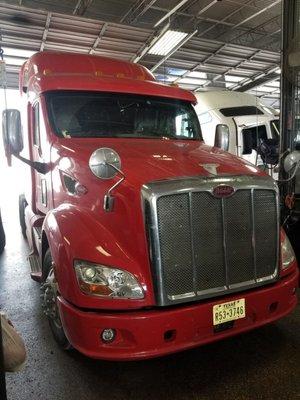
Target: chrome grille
{"x":203,"y":246}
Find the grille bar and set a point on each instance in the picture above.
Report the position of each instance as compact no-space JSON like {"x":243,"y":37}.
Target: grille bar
{"x":203,"y":246}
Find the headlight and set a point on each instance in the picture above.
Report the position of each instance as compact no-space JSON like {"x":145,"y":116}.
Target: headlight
{"x":99,"y":280}
{"x":287,"y":253}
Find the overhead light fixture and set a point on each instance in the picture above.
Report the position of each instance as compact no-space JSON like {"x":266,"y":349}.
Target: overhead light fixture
{"x":14,"y":61}
{"x":193,"y":81}
{"x":169,"y":40}
{"x":197,"y":74}
{"x":13,"y":52}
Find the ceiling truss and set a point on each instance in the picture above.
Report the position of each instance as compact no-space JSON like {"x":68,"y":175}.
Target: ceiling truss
{"x":241,"y":43}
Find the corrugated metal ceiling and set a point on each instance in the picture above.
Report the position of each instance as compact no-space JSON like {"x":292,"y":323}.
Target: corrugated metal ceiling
{"x":236,"y":42}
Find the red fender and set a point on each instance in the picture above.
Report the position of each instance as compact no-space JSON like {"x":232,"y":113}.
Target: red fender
{"x":74,"y":233}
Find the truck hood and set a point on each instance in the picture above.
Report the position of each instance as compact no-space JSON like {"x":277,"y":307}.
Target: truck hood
{"x":147,"y":160}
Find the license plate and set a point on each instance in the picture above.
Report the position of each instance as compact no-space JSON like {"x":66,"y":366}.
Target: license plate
{"x":229,"y":311}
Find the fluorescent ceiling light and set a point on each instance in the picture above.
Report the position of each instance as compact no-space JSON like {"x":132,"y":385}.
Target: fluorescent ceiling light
{"x":193,"y":81}
{"x":165,"y":78}
{"x":233,"y":78}
{"x":275,"y":84}
{"x":176,"y":71}
{"x":9,"y":51}
{"x":167,"y":42}
{"x":197,"y":74}
{"x":266,"y":89}
{"x":14,"y":61}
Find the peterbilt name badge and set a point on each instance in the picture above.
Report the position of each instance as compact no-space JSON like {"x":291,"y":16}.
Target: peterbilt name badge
{"x":223,"y":191}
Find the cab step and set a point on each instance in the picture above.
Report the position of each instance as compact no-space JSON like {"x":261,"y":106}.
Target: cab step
{"x":35,"y":266}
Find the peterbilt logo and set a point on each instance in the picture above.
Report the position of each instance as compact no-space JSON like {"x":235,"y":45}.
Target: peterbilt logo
{"x":223,"y":191}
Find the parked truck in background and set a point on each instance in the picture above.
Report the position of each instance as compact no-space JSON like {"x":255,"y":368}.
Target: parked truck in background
{"x":249,"y":122}
{"x":146,"y":240}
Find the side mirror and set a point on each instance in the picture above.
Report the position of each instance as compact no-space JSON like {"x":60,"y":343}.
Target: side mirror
{"x":291,"y":161}
{"x":12,"y":133}
{"x":222,"y":137}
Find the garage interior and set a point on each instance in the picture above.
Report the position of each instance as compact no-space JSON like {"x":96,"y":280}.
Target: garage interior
{"x":232,"y":45}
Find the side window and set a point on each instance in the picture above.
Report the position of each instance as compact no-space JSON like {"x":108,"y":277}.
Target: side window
{"x":252,"y":137}
{"x":36,"y":125}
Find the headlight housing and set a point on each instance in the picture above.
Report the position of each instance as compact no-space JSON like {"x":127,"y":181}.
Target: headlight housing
{"x":99,"y":280}
{"x":287,"y":253}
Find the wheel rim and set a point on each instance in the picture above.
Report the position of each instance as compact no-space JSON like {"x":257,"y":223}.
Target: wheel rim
{"x":49,"y":299}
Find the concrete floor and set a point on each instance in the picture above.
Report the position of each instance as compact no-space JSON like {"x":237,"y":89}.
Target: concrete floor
{"x":262,"y":364}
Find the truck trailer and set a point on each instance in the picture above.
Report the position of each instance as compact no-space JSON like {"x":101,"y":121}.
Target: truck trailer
{"x":146,"y":241}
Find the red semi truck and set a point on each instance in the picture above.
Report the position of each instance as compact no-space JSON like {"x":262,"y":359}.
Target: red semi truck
{"x":146,"y":241}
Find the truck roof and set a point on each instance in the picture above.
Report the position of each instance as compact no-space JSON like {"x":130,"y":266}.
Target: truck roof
{"x":224,"y":98}
{"x":46,"y":71}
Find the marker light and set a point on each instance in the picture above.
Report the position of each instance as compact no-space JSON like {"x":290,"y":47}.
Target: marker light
{"x":99,"y":280}
{"x":287,"y":253}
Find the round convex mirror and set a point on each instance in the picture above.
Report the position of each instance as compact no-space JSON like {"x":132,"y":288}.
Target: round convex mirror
{"x":103,"y":161}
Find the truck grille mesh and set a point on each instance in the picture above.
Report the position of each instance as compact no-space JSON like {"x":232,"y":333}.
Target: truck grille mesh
{"x":209,"y":245}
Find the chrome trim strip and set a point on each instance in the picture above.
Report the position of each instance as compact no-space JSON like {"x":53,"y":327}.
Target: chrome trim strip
{"x":224,"y":242}
{"x":211,"y":291}
{"x":267,"y":278}
{"x":242,"y":284}
{"x":182,"y":296}
{"x":192,"y":243}
{"x":253,"y":233}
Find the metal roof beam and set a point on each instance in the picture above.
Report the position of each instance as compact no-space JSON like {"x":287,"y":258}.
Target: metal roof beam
{"x":96,"y":42}
{"x":263,"y":10}
{"x":234,"y":69}
{"x":137,"y":10}
{"x":45,"y":33}
{"x":257,"y":80}
{"x":81,"y":7}
{"x":171,"y":12}
{"x":200,"y":64}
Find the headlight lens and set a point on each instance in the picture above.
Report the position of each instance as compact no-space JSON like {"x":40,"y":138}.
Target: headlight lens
{"x":287,"y":253}
{"x":99,"y":280}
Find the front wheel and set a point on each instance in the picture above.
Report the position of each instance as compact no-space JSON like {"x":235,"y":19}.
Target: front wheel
{"x":49,"y":302}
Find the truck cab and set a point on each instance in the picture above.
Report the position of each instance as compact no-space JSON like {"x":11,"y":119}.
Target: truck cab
{"x":249,"y":122}
{"x":146,"y":240}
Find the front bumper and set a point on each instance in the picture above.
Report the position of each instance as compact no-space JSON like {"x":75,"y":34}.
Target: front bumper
{"x":151,"y":333}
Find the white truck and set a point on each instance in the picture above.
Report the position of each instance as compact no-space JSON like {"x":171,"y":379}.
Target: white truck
{"x":238,"y":122}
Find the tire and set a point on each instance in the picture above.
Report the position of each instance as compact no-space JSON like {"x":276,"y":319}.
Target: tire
{"x":22,"y":205}
{"x":49,"y":293}
{"x":2,"y":237}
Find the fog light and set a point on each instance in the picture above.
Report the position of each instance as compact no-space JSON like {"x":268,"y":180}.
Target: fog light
{"x":108,"y":335}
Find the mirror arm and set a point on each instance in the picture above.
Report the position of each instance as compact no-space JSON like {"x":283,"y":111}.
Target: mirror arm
{"x":108,"y":202}
{"x":40,"y":167}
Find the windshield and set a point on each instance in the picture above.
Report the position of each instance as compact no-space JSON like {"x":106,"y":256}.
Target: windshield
{"x":275,"y":128}
{"x":88,"y":114}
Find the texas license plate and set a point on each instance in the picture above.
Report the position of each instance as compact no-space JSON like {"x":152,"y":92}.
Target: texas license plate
{"x":229,"y":311}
